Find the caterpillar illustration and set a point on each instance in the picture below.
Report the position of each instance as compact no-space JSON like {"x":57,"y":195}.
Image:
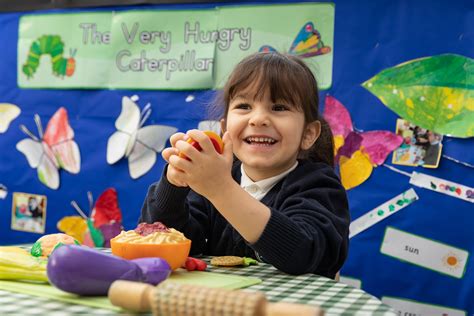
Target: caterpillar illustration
{"x":53,"y":46}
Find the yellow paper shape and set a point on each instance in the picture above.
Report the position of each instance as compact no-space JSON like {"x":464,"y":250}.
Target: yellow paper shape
{"x":355,"y":170}
{"x":74,"y":226}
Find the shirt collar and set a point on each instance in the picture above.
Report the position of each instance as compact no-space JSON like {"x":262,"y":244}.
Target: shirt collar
{"x":260,"y":188}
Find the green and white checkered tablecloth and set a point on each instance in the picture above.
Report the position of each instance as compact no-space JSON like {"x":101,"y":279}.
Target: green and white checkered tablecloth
{"x":335,"y":298}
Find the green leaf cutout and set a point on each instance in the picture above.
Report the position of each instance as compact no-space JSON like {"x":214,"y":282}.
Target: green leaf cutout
{"x":436,"y":93}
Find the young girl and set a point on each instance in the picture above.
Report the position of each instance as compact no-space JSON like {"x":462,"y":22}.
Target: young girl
{"x":279,"y":201}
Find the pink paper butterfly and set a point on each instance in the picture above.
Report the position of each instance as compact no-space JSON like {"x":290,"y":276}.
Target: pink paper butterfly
{"x":356,"y":152}
{"x":53,"y":150}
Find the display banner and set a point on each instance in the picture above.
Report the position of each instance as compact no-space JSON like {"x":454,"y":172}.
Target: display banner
{"x":172,"y":49}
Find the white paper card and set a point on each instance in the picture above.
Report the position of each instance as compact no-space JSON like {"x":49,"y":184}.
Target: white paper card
{"x":424,"y":252}
{"x":409,"y":307}
{"x":382,"y":211}
{"x":443,"y":186}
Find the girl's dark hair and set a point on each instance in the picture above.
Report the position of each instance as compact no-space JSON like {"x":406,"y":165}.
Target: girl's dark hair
{"x":286,"y":78}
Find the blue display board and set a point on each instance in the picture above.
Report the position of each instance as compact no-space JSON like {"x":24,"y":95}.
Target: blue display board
{"x":369,"y":36}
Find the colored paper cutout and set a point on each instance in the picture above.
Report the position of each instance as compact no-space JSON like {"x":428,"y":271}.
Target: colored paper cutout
{"x":356,"y":152}
{"x":133,"y":141}
{"x":308,"y":43}
{"x":436,"y":93}
{"x":442,"y":186}
{"x":3,"y":191}
{"x":103,"y":224}
{"x":411,"y":307}
{"x":424,"y":252}
{"x":29,"y":212}
{"x":8,"y":112}
{"x":420,"y":147}
{"x":54,"y":150}
{"x":210,"y":125}
{"x":382,"y":211}
{"x":54,"y":46}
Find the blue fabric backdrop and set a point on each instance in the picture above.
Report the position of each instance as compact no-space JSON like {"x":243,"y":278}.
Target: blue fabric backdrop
{"x":369,"y":37}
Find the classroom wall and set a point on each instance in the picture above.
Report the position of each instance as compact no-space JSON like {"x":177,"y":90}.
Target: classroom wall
{"x":370,"y":36}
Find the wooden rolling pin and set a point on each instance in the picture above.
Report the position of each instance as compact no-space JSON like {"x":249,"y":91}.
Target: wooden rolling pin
{"x":172,"y":299}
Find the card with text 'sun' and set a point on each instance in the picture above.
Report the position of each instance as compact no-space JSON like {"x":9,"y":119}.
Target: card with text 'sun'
{"x":424,"y":252}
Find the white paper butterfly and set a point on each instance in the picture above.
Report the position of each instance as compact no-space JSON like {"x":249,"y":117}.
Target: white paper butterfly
{"x":53,"y":150}
{"x":210,"y":125}
{"x":8,"y":112}
{"x":131,"y":140}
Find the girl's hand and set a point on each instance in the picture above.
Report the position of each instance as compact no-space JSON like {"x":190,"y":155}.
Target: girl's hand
{"x":207,"y":172}
{"x":174,"y":175}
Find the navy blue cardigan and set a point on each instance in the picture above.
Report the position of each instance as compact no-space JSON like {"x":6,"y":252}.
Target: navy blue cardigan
{"x":307,"y":231}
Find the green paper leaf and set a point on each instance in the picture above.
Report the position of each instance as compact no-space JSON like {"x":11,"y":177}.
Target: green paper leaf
{"x":436,"y":93}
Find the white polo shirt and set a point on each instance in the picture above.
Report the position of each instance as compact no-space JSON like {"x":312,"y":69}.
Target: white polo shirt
{"x":260,"y":188}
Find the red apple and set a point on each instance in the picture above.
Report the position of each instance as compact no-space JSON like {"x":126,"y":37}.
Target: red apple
{"x":215,"y":139}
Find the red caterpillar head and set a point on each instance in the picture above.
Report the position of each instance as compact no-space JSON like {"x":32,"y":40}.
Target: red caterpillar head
{"x":71,"y":64}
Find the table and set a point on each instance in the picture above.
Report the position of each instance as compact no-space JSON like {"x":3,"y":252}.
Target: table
{"x":335,"y":298}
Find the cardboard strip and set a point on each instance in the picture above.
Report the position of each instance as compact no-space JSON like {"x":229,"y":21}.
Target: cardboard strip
{"x":442,"y":186}
{"x":382,"y":211}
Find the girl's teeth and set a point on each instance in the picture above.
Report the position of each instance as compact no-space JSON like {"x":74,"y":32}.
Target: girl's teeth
{"x":261,"y":140}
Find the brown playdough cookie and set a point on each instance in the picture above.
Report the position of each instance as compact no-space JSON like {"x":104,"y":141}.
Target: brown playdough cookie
{"x":227,"y":261}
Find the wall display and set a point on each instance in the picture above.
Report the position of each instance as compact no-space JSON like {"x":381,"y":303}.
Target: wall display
{"x":420,"y":147}
{"x":166,"y":49}
{"x":28,"y":212}
{"x":376,"y":62}
{"x":103,"y":223}
{"x":8,"y":112}
{"x":52,"y":150}
{"x":138,"y":143}
{"x":433,"y":92}
{"x":356,"y":152}
{"x":381,"y":212}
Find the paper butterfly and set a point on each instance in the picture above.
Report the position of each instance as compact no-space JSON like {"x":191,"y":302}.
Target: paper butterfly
{"x":356,"y":152}
{"x":210,"y":125}
{"x":131,"y":140}
{"x":307,"y":43}
{"x":104,"y":223}
{"x":52,"y":150}
{"x":8,"y":112}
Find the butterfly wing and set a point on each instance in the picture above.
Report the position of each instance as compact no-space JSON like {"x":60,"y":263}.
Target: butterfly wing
{"x":379,"y":144}
{"x":32,"y":150}
{"x":74,"y":226}
{"x":59,"y":137}
{"x":267,"y":49}
{"x":339,"y":120}
{"x":210,"y":125}
{"x":337,"y":116}
{"x":354,"y":170}
{"x":8,"y":112}
{"x":150,"y":140}
{"x":308,"y":42}
{"x":37,"y":157}
{"x":106,"y":209}
{"x":127,"y":124}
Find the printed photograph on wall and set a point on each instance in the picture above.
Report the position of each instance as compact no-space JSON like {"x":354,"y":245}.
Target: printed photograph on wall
{"x":420,"y":147}
{"x":28,"y":212}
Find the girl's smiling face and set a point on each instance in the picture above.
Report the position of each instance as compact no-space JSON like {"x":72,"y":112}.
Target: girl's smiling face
{"x":267,"y":136}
